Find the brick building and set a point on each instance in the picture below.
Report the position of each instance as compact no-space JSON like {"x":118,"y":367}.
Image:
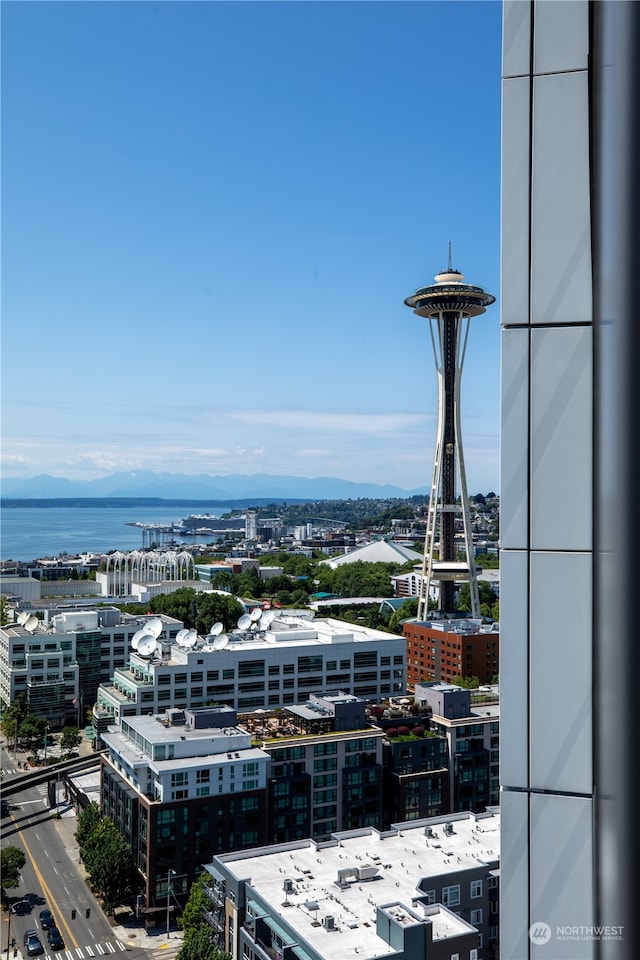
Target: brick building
{"x":444,"y":650}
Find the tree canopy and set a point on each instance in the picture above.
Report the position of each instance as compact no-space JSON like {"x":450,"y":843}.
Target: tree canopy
{"x":12,"y":860}
{"x":198,"y":611}
{"x":71,"y":738}
{"x":106,"y":856}
{"x":198,"y":943}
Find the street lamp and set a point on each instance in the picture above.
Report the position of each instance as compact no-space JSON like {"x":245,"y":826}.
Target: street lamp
{"x":46,"y":741}
{"x":169,"y":873}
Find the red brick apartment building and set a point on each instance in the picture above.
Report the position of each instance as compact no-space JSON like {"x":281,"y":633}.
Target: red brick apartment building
{"x":446,"y":649}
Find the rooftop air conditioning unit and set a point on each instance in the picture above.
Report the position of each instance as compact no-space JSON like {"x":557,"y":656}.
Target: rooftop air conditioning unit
{"x":329,"y":922}
{"x":288,"y":886}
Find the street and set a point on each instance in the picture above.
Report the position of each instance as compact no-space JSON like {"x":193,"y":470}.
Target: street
{"x":53,"y":878}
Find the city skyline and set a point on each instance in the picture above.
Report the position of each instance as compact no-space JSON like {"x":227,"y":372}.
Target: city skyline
{"x":212,"y":214}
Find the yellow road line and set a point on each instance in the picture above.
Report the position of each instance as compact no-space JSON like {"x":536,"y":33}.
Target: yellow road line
{"x":45,"y":885}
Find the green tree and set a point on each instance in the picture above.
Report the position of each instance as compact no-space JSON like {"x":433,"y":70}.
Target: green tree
{"x":487,"y":596}
{"x":470,"y":683}
{"x":198,"y":945}
{"x":71,"y":738}
{"x":216,"y":608}
{"x":13,"y":716}
{"x":12,"y":860}
{"x":198,"y":936}
{"x":408,"y":609}
{"x":4,"y":610}
{"x":88,"y":820}
{"x":111,"y":865}
{"x":31,"y":730}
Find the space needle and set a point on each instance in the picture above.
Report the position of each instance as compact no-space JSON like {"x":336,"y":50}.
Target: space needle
{"x":448,"y":304}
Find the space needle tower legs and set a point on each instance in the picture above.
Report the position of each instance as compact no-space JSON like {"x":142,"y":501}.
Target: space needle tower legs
{"x":448,"y":304}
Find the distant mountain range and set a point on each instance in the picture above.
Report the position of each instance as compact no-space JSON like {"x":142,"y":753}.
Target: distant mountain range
{"x":146,"y":483}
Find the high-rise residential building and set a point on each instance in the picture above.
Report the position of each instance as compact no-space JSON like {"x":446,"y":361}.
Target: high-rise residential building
{"x":569,"y":519}
{"x":426,"y":889}
{"x":448,"y":304}
{"x":179,"y":786}
{"x":471,"y":731}
{"x":329,"y":779}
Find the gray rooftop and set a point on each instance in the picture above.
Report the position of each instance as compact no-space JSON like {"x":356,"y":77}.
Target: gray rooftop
{"x":377,"y":870}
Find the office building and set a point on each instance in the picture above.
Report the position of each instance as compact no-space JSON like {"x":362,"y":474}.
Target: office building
{"x":278,"y":665}
{"x":425,"y":889}
{"x":59,"y":662}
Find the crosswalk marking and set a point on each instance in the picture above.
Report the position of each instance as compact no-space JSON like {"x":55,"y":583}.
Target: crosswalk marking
{"x":89,"y":951}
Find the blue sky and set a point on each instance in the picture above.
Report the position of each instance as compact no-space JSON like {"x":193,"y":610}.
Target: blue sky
{"x":212,"y":213}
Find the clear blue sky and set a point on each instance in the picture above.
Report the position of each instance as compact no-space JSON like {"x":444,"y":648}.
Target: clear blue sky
{"x":212,"y":213}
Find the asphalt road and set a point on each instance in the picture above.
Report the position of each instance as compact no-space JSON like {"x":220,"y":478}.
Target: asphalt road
{"x":50,"y":878}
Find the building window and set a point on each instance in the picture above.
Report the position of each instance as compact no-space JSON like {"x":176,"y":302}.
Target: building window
{"x":430,"y":896}
{"x":473,"y":954}
{"x":451,"y":895}
{"x":476,"y":917}
{"x":476,"y":888}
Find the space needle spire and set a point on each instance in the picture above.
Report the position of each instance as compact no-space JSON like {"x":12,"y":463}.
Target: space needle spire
{"x":448,"y":304}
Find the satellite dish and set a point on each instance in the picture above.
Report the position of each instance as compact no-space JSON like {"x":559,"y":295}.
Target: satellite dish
{"x":191,"y":638}
{"x":255,"y":614}
{"x":137,"y":637}
{"x":267,"y":619}
{"x":31,"y":623}
{"x":23,"y":617}
{"x":244,"y":622}
{"x":155,"y":626}
{"x":220,"y":642}
{"x":181,"y":636}
{"x":216,"y":629}
{"x":147,"y":645}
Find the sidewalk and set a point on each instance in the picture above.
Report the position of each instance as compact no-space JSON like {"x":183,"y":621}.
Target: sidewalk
{"x":130,"y":932}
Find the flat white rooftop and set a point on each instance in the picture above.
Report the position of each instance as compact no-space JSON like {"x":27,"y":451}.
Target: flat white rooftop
{"x":349,"y":878}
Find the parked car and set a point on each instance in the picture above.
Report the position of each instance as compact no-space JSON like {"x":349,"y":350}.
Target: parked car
{"x":55,"y":938}
{"x":20,"y":907}
{"x":32,"y":944}
{"x":46,"y":919}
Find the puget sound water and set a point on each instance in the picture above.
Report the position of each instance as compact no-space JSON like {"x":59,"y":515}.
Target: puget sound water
{"x":35,"y":531}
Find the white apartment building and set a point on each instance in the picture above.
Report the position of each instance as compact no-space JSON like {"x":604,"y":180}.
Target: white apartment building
{"x":179,"y":786}
{"x":275,"y":667}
